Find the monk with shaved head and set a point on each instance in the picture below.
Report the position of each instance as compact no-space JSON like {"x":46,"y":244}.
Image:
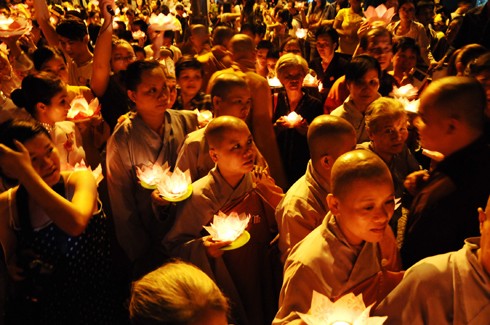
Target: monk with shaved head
{"x":354,"y":249}
{"x":304,"y":206}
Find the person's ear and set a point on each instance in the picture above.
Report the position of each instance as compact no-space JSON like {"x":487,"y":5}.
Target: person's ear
{"x":453,"y":125}
{"x":131,"y":96}
{"x":482,"y":217}
{"x":216,"y":102}
{"x":41,"y":107}
{"x":327,"y":162}
{"x":333,"y":204}
{"x":213,"y":154}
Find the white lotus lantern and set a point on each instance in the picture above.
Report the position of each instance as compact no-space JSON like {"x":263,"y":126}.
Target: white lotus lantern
{"x":310,"y":81}
{"x":150,"y":175}
{"x":228,"y":227}
{"x":407,"y":91}
{"x":203,"y":117}
{"x":162,"y":22}
{"x":274,"y":82}
{"x":96,"y":173}
{"x":80,"y":109}
{"x":320,"y":86}
{"x":175,"y":186}
{"x":379,"y":16}
{"x":14,"y":26}
{"x":293,"y":119}
{"x":411,"y":106}
{"x":139,"y":34}
{"x":349,"y":309}
{"x":301,"y":32}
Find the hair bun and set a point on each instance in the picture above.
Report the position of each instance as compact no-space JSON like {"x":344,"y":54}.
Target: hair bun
{"x":18,"y":96}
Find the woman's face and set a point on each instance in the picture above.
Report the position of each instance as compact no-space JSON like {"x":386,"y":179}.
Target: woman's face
{"x":292,"y":78}
{"x":292,"y":47}
{"x":407,"y":12}
{"x":122,"y":56}
{"x":44,"y":158}
{"x":152,"y":94}
{"x":57,"y":109}
{"x":404,"y":60}
{"x":57,"y":66}
{"x":390,"y":136}
{"x":325,"y":46}
{"x":190,"y":82}
{"x":364,"y":90}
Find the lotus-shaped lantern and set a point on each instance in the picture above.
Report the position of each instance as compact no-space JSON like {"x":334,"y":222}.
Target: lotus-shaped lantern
{"x":162,"y":22}
{"x":301,"y":33}
{"x":81,"y":110}
{"x":97,"y":172}
{"x":13,"y":26}
{"x":407,"y":91}
{"x":411,"y":106}
{"x":349,"y":309}
{"x":150,"y":175}
{"x":274,"y":82}
{"x":227,"y":227}
{"x":310,"y":81}
{"x":203,"y":117}
{"x":293,"y":119}
{"x":379,"y":16}
{"x":139,"y":34}
{"x":175,"y":186}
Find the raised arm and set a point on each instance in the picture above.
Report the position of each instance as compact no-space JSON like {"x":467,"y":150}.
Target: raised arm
{"x":102,"y":52}
{"x":42,"y":16}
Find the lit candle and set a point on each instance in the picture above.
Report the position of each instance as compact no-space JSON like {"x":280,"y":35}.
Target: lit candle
{"x":310,"y":81}
{"x":227,"y":227}
{"x":293,"y":119}
{"x":174,"y":185}
{"x":274,"y":82}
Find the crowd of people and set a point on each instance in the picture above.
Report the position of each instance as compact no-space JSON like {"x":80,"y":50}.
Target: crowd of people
{"x":356,"y":139}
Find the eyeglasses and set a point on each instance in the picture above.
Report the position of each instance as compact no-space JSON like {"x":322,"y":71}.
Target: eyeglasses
{"x":125,"y":58}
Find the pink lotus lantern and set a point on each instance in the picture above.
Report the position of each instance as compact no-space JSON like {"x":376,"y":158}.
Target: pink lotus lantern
{"x":139,"y":34}
{"x":274,"y":82}
{"x":379,"y":16}
{"x":406,"y":96}
{"x":349,"y":309}
{"x":14,"y":26}
{"x":293,"y":119}
{"x":176,"y":186}
{"x":203,"y":117}
{"x":81,"y":110}
{"x":310,"y":81}
{"x":228,"y":227}
{"x":301,"y":33}
{"x":150,"y":175}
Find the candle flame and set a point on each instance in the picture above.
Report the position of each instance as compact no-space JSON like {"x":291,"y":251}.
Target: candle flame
{"x":349,"y":309}
{"x":228,"y":227}
{"x":293,"y":118}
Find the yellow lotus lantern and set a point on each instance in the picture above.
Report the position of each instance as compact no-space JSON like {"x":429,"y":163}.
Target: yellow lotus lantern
{"x":81,"y":110}
{"x":301,"y":33}
{"x":139,"y":34}
{"x":14,"y":26}
{"x":176,"y":186}
{"x":349,"y":309}
{"x":230,"y":228}
{"x":293,"y":119}
{"x":150,"y":175}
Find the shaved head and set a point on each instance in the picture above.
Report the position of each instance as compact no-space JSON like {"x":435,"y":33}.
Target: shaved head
{"x":357,"y":165}
{"x":325,"y":135}
{"x":242,"y":46}
{"x":218,"y":127}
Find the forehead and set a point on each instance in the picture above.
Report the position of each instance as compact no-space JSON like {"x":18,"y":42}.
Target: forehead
{"x":324,"y":38}
{"x":123,"y":47}
{"x":380,"y":41}
{"x":407,"y":52}
{"x":238,"y":92}
{"x":235,"y":134}
{"x":37,"y":144}
{"x":150,"y":77}
{"x":368,"y":188}
{"x":68,"y":40}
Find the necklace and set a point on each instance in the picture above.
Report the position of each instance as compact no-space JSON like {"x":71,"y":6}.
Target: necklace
{"x":48,"y":127}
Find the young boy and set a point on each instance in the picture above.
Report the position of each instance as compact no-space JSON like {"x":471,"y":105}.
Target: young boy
{"x":189,"y":72}
{"x":354,"y":249}
{"x":230,"y":96}
{"x":244,"y":274}
{"x":443,"y":212}
{"x":304,"y":207}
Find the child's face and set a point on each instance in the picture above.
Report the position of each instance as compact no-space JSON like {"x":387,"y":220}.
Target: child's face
{"x":58,"y":67}
{"x":190,"y":81}
{"x":122,"y":56}
{"x":364,"y":91}
{"x":44,"y":158}
{"x":58,"y":108}
{"x":235,"y":155}
{"x":152,"y":94}
{"x":237,"y":103}
{"x":381,"y":49}
{"x":405,"y":61}
{"x":364,"y":210}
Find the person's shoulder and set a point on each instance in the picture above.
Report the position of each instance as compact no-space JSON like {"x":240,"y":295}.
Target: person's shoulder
{"x":195,"y":137}
{"x":189,"y":118}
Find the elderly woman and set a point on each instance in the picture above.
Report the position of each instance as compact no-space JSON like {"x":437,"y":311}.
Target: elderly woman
{"x":291,"y":69}
{"x":387,"y":126}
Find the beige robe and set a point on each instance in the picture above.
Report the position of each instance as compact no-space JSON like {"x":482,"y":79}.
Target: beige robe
{"x":450,"y":288}
{"x":247,"y":275}
{"x":325,"y":262}
{"x":302,"y":209}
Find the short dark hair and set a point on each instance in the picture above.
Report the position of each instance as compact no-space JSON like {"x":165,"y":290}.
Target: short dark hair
{"x":329,"y":31}
{"x":135,"y":70}
{"x":188,"y":62}
{"x":72,"y":28}
{"x":359,"y":65}
{"x":406,"y":43}
{"x":45,"y":54}
{"x":20,"y":130}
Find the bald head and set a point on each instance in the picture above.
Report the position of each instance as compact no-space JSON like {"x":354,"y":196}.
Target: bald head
{"x":461,"y":98}
{"x":327,"y":133}
{"x":216,"y":129}
{"x":357,"y":165}
{"x":223,"y":83}
{"x":242,"y":46}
